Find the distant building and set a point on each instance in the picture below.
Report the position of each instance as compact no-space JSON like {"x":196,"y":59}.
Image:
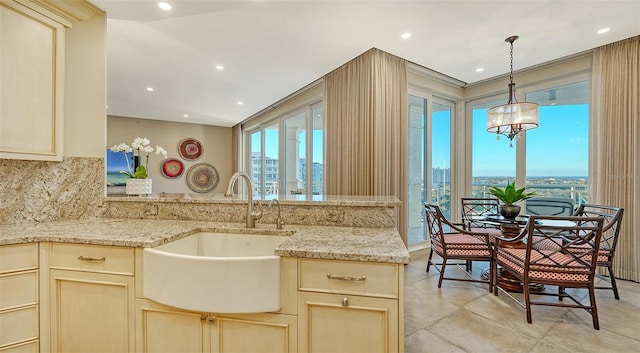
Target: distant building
{"x":272,"y":170}
{"x":440,"y":176}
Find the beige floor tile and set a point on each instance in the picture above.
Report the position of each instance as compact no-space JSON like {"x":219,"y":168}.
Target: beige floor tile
{"x":466,"y":317}
{"x":424,"y":341}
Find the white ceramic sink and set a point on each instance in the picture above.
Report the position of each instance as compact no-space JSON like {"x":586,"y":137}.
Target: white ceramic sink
{"x":215,"y":272}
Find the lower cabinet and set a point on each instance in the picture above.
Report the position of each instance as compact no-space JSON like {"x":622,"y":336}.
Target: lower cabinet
{"x":347,"y":323}
{"x":19,"y":303}
{"x":164,"y":329}
{"x":91,"y":312}
{"x":92,"y":299}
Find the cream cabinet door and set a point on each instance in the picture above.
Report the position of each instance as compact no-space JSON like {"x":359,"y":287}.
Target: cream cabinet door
{"x":254,"y":333}
{"x":31,"y":83}
{"x":91,"y":312}
{"x":163,"y":329}
{"x":347,"y":323}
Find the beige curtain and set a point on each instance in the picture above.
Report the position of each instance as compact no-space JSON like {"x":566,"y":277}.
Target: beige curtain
{"x":366,"y":114}
{"x":615,"y":144}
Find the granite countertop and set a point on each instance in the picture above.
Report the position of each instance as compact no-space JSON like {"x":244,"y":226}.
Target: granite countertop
{"x":321,"y":242}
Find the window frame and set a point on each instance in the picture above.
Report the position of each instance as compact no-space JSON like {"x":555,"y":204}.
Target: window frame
{"x":306,"y":109}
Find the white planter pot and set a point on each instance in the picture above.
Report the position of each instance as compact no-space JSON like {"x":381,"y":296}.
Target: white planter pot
{"x":138,"y":186}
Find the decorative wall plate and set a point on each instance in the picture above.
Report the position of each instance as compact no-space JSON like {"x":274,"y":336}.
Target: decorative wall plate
{"x":190,"y":149}
{"x":202,"y":178}
{"x":172,"y":168}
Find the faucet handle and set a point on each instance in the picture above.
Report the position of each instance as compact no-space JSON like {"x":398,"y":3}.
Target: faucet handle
{"x":258,"y":214}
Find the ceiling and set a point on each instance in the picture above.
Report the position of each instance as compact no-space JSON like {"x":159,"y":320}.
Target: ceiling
{"x":270,"y":49}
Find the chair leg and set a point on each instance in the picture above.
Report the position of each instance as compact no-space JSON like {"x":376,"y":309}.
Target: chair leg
{"x":444,"y":264}
{"x":469,"y":265}
{"x":491,"y":282}
{"x":527,"y":300}
{"x":613,"y":281}
{"x":594,"y":309}
{"x":494,"y":272}
{"x":429,"y":263}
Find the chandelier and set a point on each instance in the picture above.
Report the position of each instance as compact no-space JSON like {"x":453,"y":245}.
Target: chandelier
{"x":512,"y":118}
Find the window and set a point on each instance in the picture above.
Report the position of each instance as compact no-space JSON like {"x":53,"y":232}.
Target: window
{"x":554,"y":157}
{"x":288,"y":143}
{"x":429,"y":161}
{"x":493,"y":161}
{"x":558,"y":150}
{"x":264,"y":161}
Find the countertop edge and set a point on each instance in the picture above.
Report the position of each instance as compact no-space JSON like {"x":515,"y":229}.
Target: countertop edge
{"x":319,"y":242}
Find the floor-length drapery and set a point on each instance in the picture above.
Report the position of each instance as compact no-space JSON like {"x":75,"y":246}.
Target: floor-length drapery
{"x":615,"y":146}
{"x":366,"y":114}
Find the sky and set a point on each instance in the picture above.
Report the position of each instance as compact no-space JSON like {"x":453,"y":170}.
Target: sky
{"x":557,"y":147}
{"x":271,"y":144}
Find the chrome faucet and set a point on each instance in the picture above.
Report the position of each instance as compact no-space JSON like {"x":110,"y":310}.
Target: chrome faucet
{"x":251,"y":214}
{"x":279,"y":222}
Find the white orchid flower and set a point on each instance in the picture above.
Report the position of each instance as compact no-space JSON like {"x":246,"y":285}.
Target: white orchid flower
{"x":141,"y":145}
{"x":161,"y":151}
{"x":123,"y":147}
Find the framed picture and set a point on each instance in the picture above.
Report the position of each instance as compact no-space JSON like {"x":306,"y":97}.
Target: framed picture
{"x":115,"y":163}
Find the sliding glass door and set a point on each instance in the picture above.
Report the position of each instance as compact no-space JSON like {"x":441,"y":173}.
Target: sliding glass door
{"x":429,"y":166}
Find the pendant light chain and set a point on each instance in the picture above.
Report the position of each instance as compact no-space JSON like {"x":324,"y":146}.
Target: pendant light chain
{"x":511,"y":72}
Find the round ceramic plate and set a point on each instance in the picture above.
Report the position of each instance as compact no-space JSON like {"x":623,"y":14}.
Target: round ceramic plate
{"x":202,"y":178}
{"x":190,"y":149}
{"x":172,"y":168}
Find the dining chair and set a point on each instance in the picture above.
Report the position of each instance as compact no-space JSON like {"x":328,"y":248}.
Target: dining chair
{"x":549,"y":206}
{"x":451,"y":242}
{"x":571,"y":263}
{"x":609,"y":240}
{"x":473,"y":210}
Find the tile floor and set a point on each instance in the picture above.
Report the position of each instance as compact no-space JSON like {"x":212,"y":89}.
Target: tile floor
{"x":465,"y":317}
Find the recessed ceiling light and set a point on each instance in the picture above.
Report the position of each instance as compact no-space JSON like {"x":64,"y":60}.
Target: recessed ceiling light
{"x":165,"y":6}
{"x":240,"y":102}
{"x":480,"y":69}
{"x":219,"y":67}
{"x":406,"y":35}
{"x":604,"y":30}
{"x":150,"y":89}
{"x":185,"y":116}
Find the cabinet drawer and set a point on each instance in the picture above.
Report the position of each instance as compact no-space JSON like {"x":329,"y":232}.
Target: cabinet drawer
{"x":349,"y":277}
{"x":18,"y":289}
{"x":93,"y":258}
{"x":18,"y":325}
{"x":18,"y":257}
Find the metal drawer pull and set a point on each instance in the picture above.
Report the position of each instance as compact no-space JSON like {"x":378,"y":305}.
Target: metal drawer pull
{"x":346,"y":278}
{"x":91,"y":259}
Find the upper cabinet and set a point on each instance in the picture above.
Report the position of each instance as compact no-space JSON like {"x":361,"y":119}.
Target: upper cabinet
{"x":32,"y":71}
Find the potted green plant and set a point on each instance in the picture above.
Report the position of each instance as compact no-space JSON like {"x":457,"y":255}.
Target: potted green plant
{"x":508,"y":196}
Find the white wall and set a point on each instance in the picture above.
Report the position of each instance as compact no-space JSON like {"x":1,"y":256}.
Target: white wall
{"x":216,"y":142}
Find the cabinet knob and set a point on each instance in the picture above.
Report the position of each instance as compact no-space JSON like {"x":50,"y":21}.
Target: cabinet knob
{"x":345,"y":301}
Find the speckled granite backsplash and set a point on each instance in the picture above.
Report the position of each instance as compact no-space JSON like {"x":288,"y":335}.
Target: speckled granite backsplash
{"x":50,"y":191}
{"x":39,"y":191}
{"x":335,"y":214}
